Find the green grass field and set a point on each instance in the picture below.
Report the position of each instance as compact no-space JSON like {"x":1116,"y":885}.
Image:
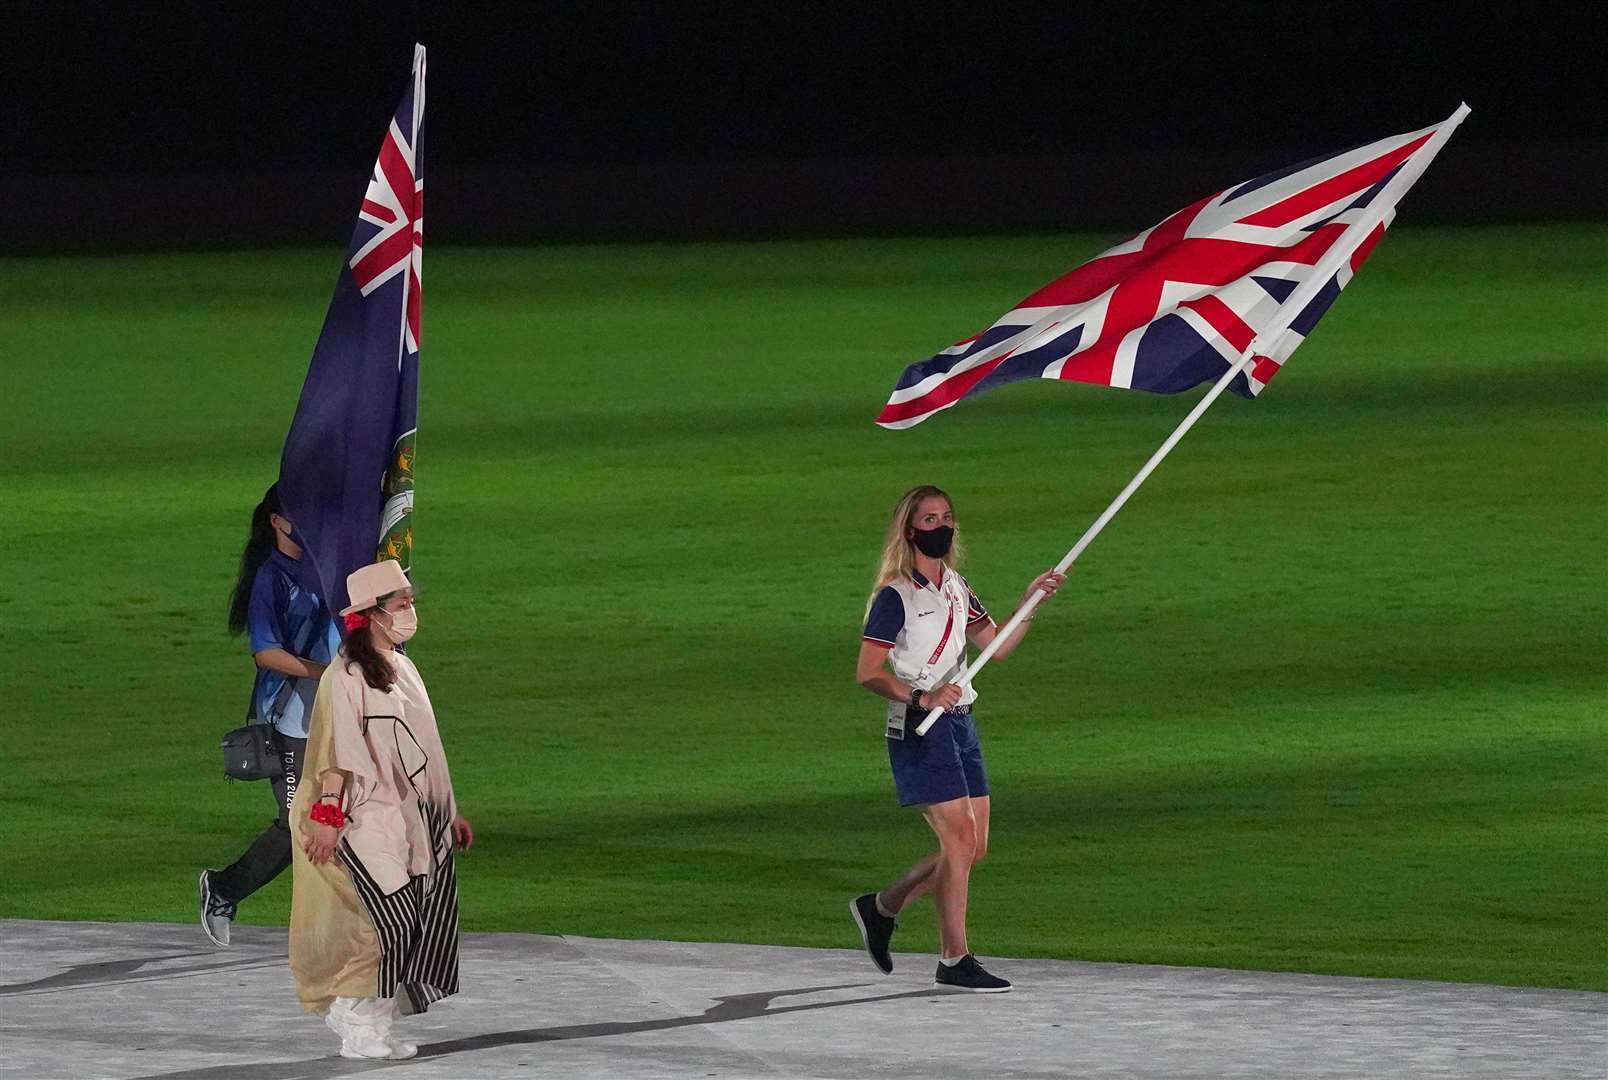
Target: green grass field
{"x":1328,"y":696}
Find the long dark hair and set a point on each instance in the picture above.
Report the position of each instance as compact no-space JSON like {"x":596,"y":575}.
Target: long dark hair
{"x":359,"y":649}
{"x":259,"y":545}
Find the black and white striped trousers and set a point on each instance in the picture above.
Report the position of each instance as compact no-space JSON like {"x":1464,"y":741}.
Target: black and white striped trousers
{"x":417,"y":927}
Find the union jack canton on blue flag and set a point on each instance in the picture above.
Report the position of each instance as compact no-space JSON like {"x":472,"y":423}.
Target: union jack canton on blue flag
{"x":346,"y":474}
{"x":1178,"y":304}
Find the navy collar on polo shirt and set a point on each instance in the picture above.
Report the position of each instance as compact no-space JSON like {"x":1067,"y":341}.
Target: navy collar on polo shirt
{"x":921,"y":580}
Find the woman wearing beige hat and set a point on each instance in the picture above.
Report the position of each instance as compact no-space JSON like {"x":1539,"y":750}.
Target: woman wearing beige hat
{"x":374,"y":911}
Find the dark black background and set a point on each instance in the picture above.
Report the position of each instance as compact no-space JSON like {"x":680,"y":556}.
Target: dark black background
{"x":187,"y":86}
{"x":234,"y":89}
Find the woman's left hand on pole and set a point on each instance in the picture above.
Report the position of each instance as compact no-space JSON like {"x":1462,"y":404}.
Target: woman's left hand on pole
{"x":1046,"y":583}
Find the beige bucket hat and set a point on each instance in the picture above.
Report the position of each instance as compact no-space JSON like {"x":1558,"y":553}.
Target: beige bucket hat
{"x":366,"y":584}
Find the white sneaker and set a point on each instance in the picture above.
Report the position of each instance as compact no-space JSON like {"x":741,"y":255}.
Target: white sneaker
{"x":359,"y":1040}
{"x":365,"y":1044}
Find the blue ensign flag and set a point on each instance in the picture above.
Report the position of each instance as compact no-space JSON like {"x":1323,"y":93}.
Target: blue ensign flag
{"x":346,"y":474}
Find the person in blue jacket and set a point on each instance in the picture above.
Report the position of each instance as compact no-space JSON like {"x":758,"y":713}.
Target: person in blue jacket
{"x":292,"y":636}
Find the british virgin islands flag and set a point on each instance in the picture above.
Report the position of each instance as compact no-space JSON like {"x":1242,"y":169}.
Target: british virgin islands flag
{"x":1179,"y":304}
{"x":346,"y":474}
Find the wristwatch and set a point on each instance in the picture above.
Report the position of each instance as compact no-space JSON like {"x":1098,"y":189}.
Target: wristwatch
{"x":915,"y":698}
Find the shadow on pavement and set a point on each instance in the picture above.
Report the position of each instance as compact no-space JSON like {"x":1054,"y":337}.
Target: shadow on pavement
{"x":122,"y":971}
{"x":733,"y":1007}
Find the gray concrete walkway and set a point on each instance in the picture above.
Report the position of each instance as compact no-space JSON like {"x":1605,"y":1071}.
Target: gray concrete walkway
{"x":80,"y":1000}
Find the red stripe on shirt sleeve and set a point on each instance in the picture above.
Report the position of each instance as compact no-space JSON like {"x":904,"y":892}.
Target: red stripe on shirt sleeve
{"x":877,"y":641}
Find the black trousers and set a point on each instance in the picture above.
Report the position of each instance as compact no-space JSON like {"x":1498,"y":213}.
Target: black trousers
{"x":269,"y":854}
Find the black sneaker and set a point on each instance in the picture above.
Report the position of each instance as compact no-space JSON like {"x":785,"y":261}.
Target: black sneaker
{"x":969,"y":975}
{"x":876,"y":930}
{"x":216,"y":913}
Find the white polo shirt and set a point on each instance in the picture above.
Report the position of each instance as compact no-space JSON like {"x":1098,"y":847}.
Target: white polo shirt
{"x":923,"y":626}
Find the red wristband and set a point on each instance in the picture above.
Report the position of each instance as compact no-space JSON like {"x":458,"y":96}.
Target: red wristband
{"x":327,"y":814}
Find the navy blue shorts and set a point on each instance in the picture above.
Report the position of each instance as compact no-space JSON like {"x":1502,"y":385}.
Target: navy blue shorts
{"x":944,"y":764}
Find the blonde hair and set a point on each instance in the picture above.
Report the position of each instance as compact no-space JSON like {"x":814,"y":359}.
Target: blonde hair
{"x":898,"y":556}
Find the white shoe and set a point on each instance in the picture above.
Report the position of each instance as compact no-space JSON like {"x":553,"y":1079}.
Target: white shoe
{"x":365,"y":1045}
{"x":364,"y":1041}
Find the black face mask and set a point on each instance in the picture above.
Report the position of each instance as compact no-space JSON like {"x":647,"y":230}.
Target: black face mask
{"x":934,"y":543}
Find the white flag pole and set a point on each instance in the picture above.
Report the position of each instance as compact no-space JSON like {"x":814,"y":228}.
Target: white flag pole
{"x":1026,"y":610}
{"x":1293,"y":305}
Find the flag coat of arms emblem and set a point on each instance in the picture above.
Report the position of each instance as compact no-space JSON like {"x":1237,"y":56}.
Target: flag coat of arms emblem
{"x":346,"y":473}
{"x":1179,"y":304}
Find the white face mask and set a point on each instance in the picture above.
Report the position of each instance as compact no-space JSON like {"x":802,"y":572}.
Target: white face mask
{"x":402,"y":624}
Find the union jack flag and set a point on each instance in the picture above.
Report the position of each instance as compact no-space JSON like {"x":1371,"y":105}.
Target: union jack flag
{"x":394,"y":207}
{"x":1179,"y":304}
{"x":346,"y":473}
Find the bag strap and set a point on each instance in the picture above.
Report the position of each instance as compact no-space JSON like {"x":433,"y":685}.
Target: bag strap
{"x":289,"y":687}
{"x":949,"y":627}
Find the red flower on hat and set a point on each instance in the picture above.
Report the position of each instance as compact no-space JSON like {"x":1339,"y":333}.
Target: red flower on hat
{"x":356,"y":621}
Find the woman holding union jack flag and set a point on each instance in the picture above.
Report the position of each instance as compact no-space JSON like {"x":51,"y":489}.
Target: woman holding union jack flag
{"x":920,"y":616}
